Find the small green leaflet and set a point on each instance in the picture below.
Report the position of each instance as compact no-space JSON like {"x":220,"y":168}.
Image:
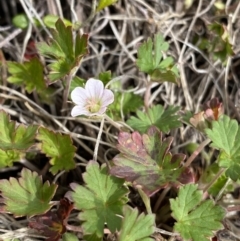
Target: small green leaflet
{"x":165,"y":120}
{"x":27,"y":196}
{"x":105,"y":76}
{"x":150,"y":60}
{"x":125,"y":102}
{"x":196,"y":219}
{"x":20,"y":21}
{"x":29,"y":73}
{"x":145,"y":160}
{"x":50,"y":21}
{"x":61,"y":48}
{"x":59,"y":147}
{"x":104,"y":3}
{"x":136,"y":228}
{"x":8,"y":157}
{"x":15,"y":137}
{"x":100,"y":201}
{"x":225,"y":136}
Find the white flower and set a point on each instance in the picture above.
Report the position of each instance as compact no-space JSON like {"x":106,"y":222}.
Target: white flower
{"x":93,"y":100}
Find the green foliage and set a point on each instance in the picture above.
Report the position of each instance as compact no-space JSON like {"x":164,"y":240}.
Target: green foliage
{"x":15,"y":140}
{"x":76,"y":82}
{"x":105,"y":77}
{"x":8,"y":157}
{"x":217,"y":43}
{"x":100,"y":201}
{"x":70,"y":237}
{"x":29,"y":73}
{"x":220,"y":183}
{"x":105,"y":3}
{"x":27,"y":195}
{"x":196,"y":219}
{"x":50,"y":21}
{"x":126,"y":102}
{"x":165,"y":120}
{"x":225,"y":136}
{"x":59,"y":148}
{"x":150,"y":60}
{"x":136,"y":228}
{"x":146,"y":161}
{"x":209,"y":174}
{"x":20,"y":21}
{"x":62,"y":49}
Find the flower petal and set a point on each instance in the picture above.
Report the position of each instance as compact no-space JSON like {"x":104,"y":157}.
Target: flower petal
{"x":94,"y":88}
{"x":79,"y":110}
{"x":107,"y":98}
{"x":101,"y":111}
{"x":79,"y":96}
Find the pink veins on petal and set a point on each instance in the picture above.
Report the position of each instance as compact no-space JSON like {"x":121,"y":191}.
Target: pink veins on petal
{"x":93,"y":100}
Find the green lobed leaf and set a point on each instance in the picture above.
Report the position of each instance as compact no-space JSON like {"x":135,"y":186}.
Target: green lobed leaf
{"x":27,"y":195}
{"x":61,"y":48}
{"x":196,"y":219}
{"x":15,"y":137}
{"x":145,"y":58}
{"x":104,"y":3}
{"x":59,"y":147}
{"x":165,"y":120}
{"x":100,"y":201}
{"x":225,"y":136}
{"x":136,"y":228}
{"x":29,"y":73}
{"x":146,"y":161}
{"x":150,"y":60}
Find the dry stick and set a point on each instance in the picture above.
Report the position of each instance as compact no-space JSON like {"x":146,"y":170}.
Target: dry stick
{"x":98,"y":139}
{"x":91,"y":16}
{"x":162,"y":231}
{"x":10,"y":37}
{"x":222,"y":189}
{"x":234,"y":208}
{"x":26,"y":4}
{"x":229,"y":59}
{"x":26,"y":39}
{"x":77,"y":229}
{"x":20,"y":233}
{"x":196,"y":152}
{"x":66,"y":91}
{"x":180,"y":60}
{"x":147,"y":95}
{"x":160,"y":199}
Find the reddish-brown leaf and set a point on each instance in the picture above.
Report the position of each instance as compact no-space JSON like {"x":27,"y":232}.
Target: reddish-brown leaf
{"x":53,"y":223}
{"x":145,"y":160}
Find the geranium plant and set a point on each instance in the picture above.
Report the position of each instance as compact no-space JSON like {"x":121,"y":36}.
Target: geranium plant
{"x":143,"y":181}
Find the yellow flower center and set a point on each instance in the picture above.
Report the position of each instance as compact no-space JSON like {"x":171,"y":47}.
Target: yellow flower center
{"x":93,"y":105}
